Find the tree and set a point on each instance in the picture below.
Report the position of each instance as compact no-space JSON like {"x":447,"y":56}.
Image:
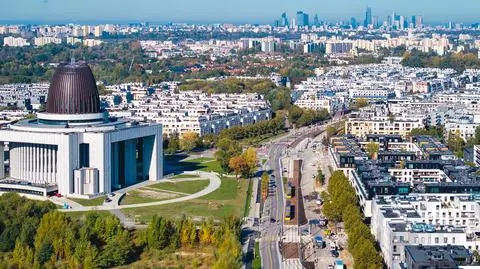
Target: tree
{"x":159,"y":233}
{"x":228,"y":252}
{"x":361,"y":102}
{"x":251,"y":159}
{"x":189,"y":141}
{"x":117,"y":250}
{"x":372,"y":149}
{"x":238,"y":165}
{"x":456,"y":143}
{"x":320,"y":177}
{"x":173,"y":144}
{"x":264,"y":185}
{"x":331,"y":131}
{"x":226,"y":149}
{"x":206,"y":235}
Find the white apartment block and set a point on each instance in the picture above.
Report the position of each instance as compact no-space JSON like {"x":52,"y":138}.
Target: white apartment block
{"x":363,"y":126}
{"x":190,"y":111}
{"x":44,"y":40}
{"x":433,"y":219}
{"x":11,"y":41}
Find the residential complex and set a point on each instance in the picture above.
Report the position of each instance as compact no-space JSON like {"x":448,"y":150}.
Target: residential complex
{"x":187,"y":111}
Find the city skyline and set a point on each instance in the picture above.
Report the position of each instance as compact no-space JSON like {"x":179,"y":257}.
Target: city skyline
{"x":214,"y":11}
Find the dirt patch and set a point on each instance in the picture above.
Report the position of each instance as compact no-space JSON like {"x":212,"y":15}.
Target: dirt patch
{"x":214,"y":205}
{"x":156,"y":194}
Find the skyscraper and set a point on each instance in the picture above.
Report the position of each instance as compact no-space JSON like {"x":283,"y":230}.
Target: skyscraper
{"x":375,"y":21}
{"x":316,"y":22}
{"x":419,"y":22}
{"x":302,"y":18}
{"x":284,"y":20}
{"x":353,"y":22}
{"x":368,"y":17}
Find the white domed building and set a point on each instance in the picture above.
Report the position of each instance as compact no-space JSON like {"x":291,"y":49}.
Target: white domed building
{"x":74,"y":147}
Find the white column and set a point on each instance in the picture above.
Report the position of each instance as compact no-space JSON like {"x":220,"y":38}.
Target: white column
{"x":34,"y":163}
{"x":29,"y":162}
{"x":24,"y":160}
{"x":41,"y":171}
{"x":19,"y":160}
{"x":49,"y":163}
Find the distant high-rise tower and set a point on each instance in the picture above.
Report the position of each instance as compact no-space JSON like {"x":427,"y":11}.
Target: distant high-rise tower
{"x":419,"y":22}
{"x":375,"y":21}
{"x":353,"y":22}
{"x":284,"y":20}
{"x":414,"y":21}
{"x":316,"y":22}
{"x":302,"y":19}
{"x":368,"y":17}
{"x":402,"y":22}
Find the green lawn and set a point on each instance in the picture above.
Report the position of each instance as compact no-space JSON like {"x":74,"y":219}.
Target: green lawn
{"x":89,"y":202}
{"x":205,"y":164}
{"x":227,"y":200}
{"x":177,"y":164}
{"x":228,"y":190}
{"x":189,"y":187}
{"x":135,"y":197}
{"x":257,"y":262}
{"x":185,"y":176}
{"x":80,"y":214}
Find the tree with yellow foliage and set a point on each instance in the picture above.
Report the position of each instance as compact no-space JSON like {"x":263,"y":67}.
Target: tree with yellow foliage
{"x":238,"y":165}
{"x":251,"y":159}
{"x":189,"y":141}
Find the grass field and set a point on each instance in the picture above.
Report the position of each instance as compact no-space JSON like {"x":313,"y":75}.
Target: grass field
{"x":227,"y":200}
{"x":189,"y":187}
{"x":177,"y":164}
{"x":79,"y":215}
{"x":135,"y":197}
{"x":257,"y":262}
{"x":204,"y":164}
{"x":89,"y":202}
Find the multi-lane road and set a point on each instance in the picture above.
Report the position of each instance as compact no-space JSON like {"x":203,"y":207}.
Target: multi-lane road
{"x":273,"y":209}
{"x":272,"y":218}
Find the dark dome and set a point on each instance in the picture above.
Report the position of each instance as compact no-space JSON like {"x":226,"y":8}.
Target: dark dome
{"x":73,"y":90}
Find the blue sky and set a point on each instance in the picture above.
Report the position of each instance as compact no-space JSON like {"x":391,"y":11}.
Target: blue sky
{"x":254,"y":11}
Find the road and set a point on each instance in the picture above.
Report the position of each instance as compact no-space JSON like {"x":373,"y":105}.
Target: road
{"x":274,"y":205}
{"x":273,"y":209}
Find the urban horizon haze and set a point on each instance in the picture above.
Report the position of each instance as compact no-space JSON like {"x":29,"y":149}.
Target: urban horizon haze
{"x":233,"y":11}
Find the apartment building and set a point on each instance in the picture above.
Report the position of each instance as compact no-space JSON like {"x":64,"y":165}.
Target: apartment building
{"x":433,"y":220}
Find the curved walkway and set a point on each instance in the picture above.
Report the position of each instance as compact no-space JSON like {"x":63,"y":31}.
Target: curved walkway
{"x":215,"y":183}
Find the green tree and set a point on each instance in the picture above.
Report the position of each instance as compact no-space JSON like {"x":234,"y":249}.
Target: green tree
{"x":226,"y":149}
{"x":320,"y":177}
{"x":173,"y":144}
{"x":372,"y":149}
{"x":361,"y":102}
